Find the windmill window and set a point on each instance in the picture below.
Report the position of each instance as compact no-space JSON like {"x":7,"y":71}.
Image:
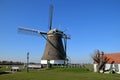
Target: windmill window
{"x":49,"y":53}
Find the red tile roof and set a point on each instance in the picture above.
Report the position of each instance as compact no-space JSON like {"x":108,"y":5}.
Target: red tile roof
{"x":113,"y":57}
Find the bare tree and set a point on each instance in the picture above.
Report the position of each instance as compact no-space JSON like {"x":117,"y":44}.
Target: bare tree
{"x":100,"y":59}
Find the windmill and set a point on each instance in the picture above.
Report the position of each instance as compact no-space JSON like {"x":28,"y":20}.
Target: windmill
{"x":56,"y":41}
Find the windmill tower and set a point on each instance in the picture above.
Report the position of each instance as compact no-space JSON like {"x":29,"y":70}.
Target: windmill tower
{"x":56,"y":40}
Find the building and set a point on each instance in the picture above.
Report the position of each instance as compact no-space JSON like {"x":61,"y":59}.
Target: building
{"x":112,"y":64}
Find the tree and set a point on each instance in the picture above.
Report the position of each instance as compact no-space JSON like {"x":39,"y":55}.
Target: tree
{"x":100,"y":59}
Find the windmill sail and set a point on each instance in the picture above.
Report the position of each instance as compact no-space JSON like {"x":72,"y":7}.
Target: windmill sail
{"x":30,"y":31}
{"x":51,"y":16}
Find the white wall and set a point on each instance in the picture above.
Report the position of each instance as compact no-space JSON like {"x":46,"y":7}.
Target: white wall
{"x":57,"y":61}
{"x":53,"y":61}
{"x":43,"y":61}
{"x":119,"y":68}
{"x":95,"y":67}
{"x":107,"y":67}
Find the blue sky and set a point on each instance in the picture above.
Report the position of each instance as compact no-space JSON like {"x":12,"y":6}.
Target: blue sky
{"x":92,"y":24}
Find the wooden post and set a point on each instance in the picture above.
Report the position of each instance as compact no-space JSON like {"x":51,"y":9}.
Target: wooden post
{"x":27,"y":61}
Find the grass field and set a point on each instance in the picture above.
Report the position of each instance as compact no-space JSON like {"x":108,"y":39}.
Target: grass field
{"x":59,"y":74}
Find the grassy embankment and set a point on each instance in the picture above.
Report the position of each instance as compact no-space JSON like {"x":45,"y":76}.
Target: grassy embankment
{"x":59,"y":74}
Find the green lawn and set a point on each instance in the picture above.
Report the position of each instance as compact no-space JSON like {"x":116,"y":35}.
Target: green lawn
{"x":59,"y":74}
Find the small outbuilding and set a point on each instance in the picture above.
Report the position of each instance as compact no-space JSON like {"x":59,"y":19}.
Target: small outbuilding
{"x":113,"y":64}
{"x":15,"y":69}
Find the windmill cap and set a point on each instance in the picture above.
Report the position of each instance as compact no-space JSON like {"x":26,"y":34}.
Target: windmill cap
{"x":55,"y":31}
